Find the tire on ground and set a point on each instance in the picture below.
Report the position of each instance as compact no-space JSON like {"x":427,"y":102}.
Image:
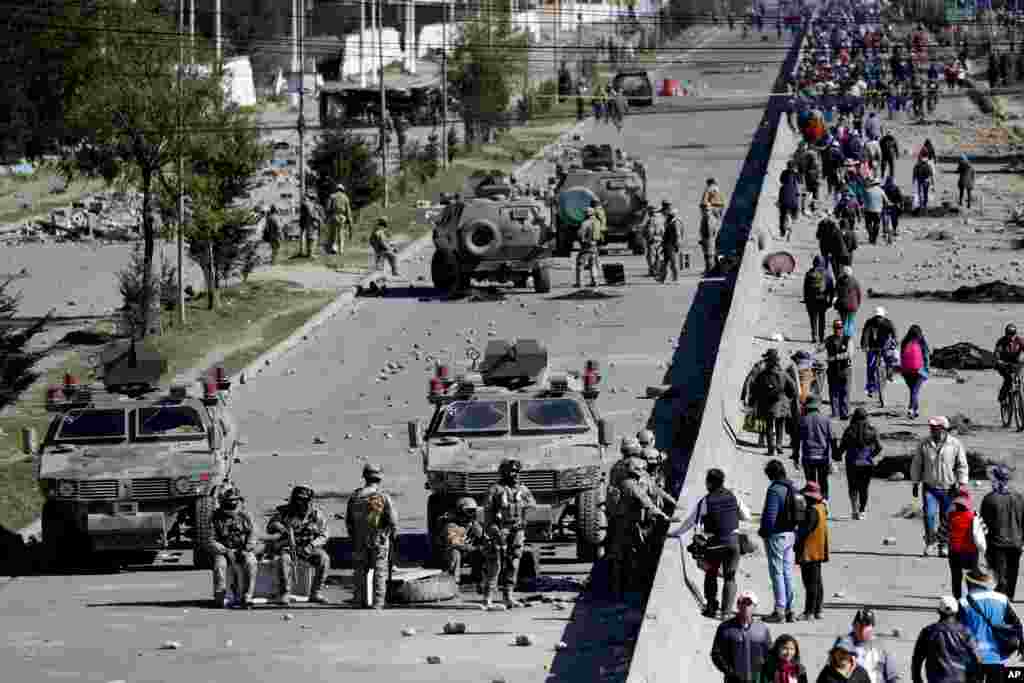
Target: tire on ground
{"x":437,"y":588}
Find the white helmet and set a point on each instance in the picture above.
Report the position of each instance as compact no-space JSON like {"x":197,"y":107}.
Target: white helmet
{"x":645,"y":437}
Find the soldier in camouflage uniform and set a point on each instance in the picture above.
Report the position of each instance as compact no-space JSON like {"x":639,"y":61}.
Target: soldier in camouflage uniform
{"x":372,"y":523}
{"x":712,"y":203}
{"x":233,"y":549}
{"x":587,"y":258}
{"x":600,"y":230}
{"x":301,"y":531}
{"x":505,"y":518}
{"x":339,"y":210}
{"x":652,"y":233}
{"x":655,"y":458}
{"x":462,"y":536}
{"x":310,"y":220}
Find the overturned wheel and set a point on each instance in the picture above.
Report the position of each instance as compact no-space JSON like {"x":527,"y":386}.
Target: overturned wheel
{"x":421,"y":587}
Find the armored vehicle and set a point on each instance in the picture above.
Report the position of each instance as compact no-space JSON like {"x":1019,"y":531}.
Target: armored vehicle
{"x":132,"y":468}
{"x":622,"y":191}
{"x":494,"y":234}
{"x":513,"y":406}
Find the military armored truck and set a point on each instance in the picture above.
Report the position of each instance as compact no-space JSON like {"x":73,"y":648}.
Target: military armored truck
{"x":514,"y":406}
{"x":132,"y":469}
{"x":621,"y":189}
{"x":493,"y":235}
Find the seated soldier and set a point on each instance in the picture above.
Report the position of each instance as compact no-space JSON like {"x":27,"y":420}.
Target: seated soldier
{"x":461,"y":536}
{"x":233,"y":550}
{"x":301,"y":533}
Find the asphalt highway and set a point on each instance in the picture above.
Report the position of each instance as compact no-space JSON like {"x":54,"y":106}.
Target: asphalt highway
{"x":110,"y":626}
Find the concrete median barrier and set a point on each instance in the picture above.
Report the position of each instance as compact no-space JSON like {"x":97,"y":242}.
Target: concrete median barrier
{"x":714,"y":357}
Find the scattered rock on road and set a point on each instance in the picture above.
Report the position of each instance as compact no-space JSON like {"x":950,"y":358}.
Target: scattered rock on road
{"x":408,"y":631}
{"x":454,"y":628}
{"x":170,"y":645}
{"x":433,"y":659}
{"x":524,"y":640}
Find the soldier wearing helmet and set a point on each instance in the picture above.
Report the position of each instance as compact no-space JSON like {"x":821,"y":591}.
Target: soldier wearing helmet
{"x":461,"y":537}
{"x":233,"y":549}
{"x":655,"y":458}
{"x":505,"y":519}
{"x":372,"y":523}
{"x":300,"y":529}
{"x":383,"y":248}
{"x":339,"y":212}
{"x":1008,"y":357}
{"x":587,"y":258}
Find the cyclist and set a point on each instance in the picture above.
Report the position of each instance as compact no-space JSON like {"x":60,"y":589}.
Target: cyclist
{"x":877,"y":338}
{"x":1008,"y":352}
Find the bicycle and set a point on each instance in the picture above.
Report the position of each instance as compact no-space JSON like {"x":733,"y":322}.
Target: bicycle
{"x":880,"y":377}
{"x":1011,"y":406}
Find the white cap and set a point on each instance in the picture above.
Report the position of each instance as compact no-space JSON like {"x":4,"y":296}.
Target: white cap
{"x":880,"y":311}
{"x":948,"y":605}
{"x":848,"y":270}
{"x":747,"y":595}
{"x":938,"y":421}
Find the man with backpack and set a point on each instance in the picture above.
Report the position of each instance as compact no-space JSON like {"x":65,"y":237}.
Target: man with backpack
{"x":890,"y":150}
{"x":784,"y":509}
{"x":817,"y":298}
{"x":774,"y":391}
{"x":923,"y":175}
{"x":831,"y":242}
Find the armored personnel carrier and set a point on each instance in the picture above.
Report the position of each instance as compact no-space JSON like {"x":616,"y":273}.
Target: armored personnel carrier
{"x":131,"y":468}
{"x":494,"y":234}
{"x":620,"y":187}
{"x":513,"y":406}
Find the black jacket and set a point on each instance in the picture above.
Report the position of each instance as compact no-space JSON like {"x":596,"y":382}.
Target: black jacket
{"x":830,"y":675}
{"x":948,"y":652}
{"x":740,"y":652}
{"x":877,"y":329}
{"x":1003,"y":514}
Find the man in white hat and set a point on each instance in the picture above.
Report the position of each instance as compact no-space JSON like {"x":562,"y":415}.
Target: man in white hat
{"x":946,"y":648}
{"x":940,"y":463}
{"x":741,"y":645}
{"x":877,"y":336}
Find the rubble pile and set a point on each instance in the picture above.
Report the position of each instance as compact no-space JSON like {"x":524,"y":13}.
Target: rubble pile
{"x":987,"y":292}
{"x":963,"y":356}
{"x":110,"y":216}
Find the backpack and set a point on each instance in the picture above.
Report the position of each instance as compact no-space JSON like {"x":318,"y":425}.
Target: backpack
{"x":815,"y":285}
{"x":912,"y":356}
{"x":794,"y":509}
{"x":769,"y":385}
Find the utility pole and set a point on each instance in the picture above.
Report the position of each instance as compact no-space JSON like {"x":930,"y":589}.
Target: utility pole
{"x":301,"y":125}
{"x":362,"y":47}
{"x":579,"y":46}
{"x":558,"y":20}
{"x":192,"y":28}
{"x":383,"y":101}
{"x":181,"y":171}
{"x":217,"y":26}
{"x":444,"y":84}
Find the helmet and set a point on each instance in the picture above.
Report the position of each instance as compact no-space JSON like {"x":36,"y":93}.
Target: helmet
{"x":466,"y":504}
{"x":1011,"y":329}
{"x":864,"y":616}
{"x":645,"y":437}
{"x":230,"y":493}
{"x":372,"y":471}
{"x":508,"y":466}
{"x":630,"y":448}
{"x":637,"y":466}
{"x":653,"y":456}
{"x":302,"y":491}
{"x":382,"y":221}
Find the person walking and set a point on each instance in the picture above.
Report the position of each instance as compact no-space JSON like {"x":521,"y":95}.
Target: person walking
{"x":273,"y":233}
{"x":818,"y":292}
{"x":871,"y":655}
{"x":874,"y":205}
{"x":915,"y":360}
{"x":940,"y":464}
{"x":671,"y":242}
{"x":877,"y":336}
{"x":783,"y":663}
{"x":965,"y":180}
{"x":812,"y":549}
{"x":842,"y":665}
{"x":789,"y":199}
{"x":894,"y":204}
{"x":848,"y":300}
{"x":982,"y":611}
{"x":1002,"y":510}
{"x":890,"y":152}
{"x":778,"y":526}
{"x":774,"y":390}
{"x":719,"y":513}
{"x":923,"y":176}
{"x":966,"y":541}
{"x":712,"y":204}
{"x":838,"y":370}
{"x":741,"y":645}
{"x":946,"y":649}
{"x":859,"y":447}
{"x":755,"y":421}
{"x":815,"y":441}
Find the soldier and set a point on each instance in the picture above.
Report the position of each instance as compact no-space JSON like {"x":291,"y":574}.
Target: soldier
{"x":372,"y":524}
{"x":671,"y":240}
{"x":233,"y":549}
{"x":634,"y":511}
{"x":383,"y":249}
{"x":652,"y":233}
{"x":587,"y":258}
{"x":602,"y":221}
{"x":505,"y":517}
{"x":340,"y":211}
{"x":655,"y":458}
{"x":711,"y":205}
{"x":461,"y":536}
{"x":301,"y":531}
{"x":310,"y":218}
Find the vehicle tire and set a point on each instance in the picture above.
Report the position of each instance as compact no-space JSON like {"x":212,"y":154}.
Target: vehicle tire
{"x":880,"y":377}
{"x":1019,"y":412}
{"x":1007,"y":409}
{"x":563,"y":243}
{"x":443,"y":270}
{"x":202,"y":532}
{"x":437,"y":588}
{"x":542,"y":279}
{"x":437,"y":505}
{"x":481,"y":237}
{"x":590,"y":527}
{"x":65,"y":540}
{"x":636,"y":245}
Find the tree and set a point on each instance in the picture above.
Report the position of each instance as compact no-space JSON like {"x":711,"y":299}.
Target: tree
{"x":16,"y":363}
{"x":222,"y":164}
{"x":342,"y":157}
{"x":487,"y":60}
{"x":122,"y":100}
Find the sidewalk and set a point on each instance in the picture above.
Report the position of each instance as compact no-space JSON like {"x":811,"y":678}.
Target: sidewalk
{"x":902,"y":586}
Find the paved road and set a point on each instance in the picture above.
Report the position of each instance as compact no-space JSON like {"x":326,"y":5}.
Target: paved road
{"x":106,"y":627}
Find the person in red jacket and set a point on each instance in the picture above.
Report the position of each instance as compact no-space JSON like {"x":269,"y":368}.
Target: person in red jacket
{"x":964,"y":533}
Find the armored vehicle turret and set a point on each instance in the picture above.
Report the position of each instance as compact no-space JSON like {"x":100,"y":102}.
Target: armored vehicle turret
{"x":130,"y":467}
{"x":495,"y":234}
{"x":511,"y":405}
